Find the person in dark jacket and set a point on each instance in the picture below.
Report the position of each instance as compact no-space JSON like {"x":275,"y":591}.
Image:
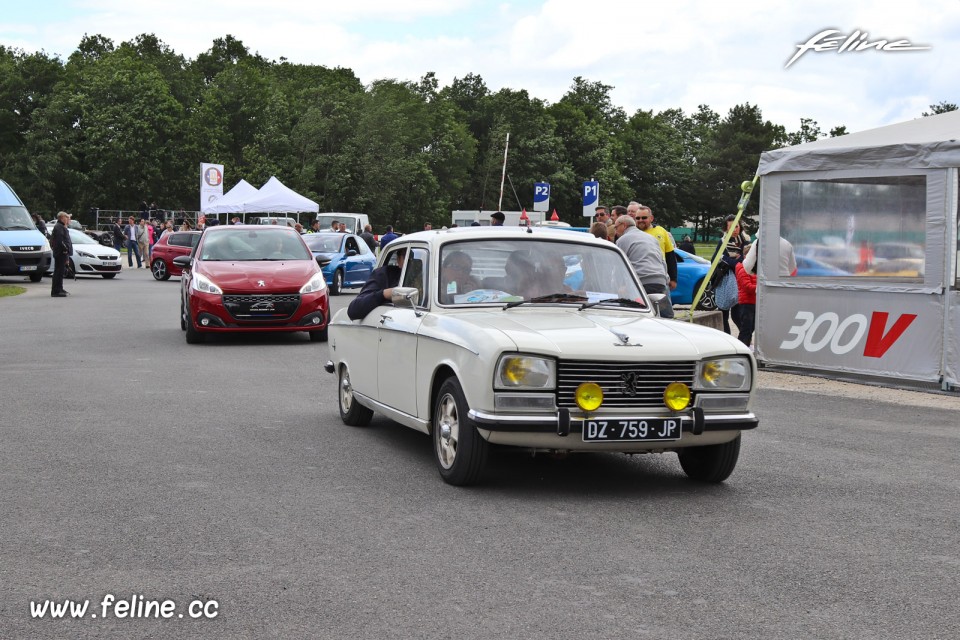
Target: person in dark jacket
{"x":369,"y":238}
{"x":117,"y":231}
{"x":732,"y":254}
{"x":61,"y":247}
{"x":41,"y":226}
{"x":378,"y":289}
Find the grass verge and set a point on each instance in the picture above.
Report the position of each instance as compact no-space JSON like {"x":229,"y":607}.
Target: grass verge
{"x":10,"y":290}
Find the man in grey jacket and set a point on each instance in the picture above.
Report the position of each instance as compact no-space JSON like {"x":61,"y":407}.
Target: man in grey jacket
{"x":647,"y":260}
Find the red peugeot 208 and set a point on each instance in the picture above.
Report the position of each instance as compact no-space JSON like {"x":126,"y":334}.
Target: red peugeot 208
{"x":252,"y":278}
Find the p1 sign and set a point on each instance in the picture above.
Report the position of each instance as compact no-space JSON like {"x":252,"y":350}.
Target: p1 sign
{"x":541,"y":196}
{"x":591,"y":197}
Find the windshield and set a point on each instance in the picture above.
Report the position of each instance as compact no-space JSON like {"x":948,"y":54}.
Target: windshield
{"x":324,"y":242}
{"x":15,"y":218}
{"x":245,"y":245}
{"x":327,"y":220}
{"x":79,"y":237}
{"x":534,"y":270}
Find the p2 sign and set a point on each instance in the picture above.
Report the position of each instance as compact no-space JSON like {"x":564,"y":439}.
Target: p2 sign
{"x":591,"y":197}
{"x":541,"y":196}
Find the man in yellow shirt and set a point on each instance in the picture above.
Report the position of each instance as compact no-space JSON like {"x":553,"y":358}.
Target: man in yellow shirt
{"x":644,"y":217}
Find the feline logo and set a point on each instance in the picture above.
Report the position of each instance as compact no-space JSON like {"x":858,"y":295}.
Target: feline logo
{"x":814,"y":333}
{"x":831,"y":39}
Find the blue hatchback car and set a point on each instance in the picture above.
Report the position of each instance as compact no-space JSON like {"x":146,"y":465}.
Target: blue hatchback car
{"x":691,"y":270}
{"x":345,"y":259}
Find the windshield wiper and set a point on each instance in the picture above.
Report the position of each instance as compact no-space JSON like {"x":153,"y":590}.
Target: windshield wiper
{"x":550,"y":297}
{"x":624,"y":302}
{"x":16,"y":227}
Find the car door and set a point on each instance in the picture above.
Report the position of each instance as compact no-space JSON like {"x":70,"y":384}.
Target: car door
{"x":366,"y":261}
{"x":353,"y":267}
{"x":399,"y":329}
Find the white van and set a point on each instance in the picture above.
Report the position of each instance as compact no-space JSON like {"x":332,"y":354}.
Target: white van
{"x":355,"y":221}
{"x":282,"y":221}
{"x":23,"y":249}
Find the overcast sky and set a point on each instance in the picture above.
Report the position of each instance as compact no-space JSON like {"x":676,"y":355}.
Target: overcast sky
{"x":657,"y":55}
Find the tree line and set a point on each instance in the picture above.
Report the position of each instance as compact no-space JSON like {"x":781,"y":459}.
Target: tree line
{"x":114,"y":125}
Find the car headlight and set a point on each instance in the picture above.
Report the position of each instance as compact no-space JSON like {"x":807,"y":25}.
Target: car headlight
{"x":84,"y":254}
{"x":724,"y":374}
{"x":4,"y":249}
{"x":46,"y":245}
{"x":316,"y":283}
{"x":202,"y":283}
{"x":525,"y":372}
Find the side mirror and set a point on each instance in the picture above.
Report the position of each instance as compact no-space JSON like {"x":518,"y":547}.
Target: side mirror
{"x":405,"y":297}
{"x":182,"y":261}
{"x":656,"y":299}
{"x":351,"y":252}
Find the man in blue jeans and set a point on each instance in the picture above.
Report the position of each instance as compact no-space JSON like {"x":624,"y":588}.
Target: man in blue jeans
{"x":130,"y":240}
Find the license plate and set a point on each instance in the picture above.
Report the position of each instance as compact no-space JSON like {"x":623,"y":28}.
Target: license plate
{"x":107,"y":263}
{"x":632,"y":429}
{"x":28,"y":268}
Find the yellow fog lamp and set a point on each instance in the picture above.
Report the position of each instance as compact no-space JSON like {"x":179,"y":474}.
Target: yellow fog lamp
{"x":676,"y":396}
{"x":589,"y":396}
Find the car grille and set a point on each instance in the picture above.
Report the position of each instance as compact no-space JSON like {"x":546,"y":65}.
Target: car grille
{"x":624,"y":384}
{"x":262,"y":306}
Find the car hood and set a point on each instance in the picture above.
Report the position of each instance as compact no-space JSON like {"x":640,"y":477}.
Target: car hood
{"x":585,"y":334}
{"x":21,"y":237}
{"x":284,"y":276}
{"x":98,"y":250}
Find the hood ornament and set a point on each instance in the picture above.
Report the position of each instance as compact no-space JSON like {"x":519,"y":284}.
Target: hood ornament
{"x":261,"y":283}
{"x":624,"y":339}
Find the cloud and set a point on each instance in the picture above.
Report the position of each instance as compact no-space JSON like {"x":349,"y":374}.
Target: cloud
{"x":657,"y":56}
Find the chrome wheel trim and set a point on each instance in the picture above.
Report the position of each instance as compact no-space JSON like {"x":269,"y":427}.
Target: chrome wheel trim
{"x":346,"y":392}
{"x":448,"y":431}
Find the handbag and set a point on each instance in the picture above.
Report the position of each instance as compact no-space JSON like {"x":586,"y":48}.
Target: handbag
{"x":727,"y":292}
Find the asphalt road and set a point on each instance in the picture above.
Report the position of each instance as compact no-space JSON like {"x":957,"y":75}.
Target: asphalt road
{"x":136,"y":465}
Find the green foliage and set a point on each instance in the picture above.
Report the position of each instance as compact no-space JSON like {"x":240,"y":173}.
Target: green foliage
{"x":941,"y":107}
{"x":114,"y":125}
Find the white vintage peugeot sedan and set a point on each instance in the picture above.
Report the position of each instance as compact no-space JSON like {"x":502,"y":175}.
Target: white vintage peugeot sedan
{"x":541,"y":339}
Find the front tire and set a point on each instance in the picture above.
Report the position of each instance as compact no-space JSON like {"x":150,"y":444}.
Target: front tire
{"x":159,"y":270}
{"x":712,"y":463}
{"x":337,"y":287}
{"x":460,"y":451}
{"x":351,"y":412}
{"x":36,"y":277}
{"x":193,"y":336}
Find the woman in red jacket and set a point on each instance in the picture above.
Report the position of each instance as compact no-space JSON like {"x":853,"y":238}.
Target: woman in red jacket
{"x":746,"y":300}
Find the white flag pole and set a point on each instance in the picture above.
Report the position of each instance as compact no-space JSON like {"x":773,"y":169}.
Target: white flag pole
{"x":503,"y":175}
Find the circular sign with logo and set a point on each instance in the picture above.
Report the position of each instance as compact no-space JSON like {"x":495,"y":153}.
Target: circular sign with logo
{"x":212,"y":176}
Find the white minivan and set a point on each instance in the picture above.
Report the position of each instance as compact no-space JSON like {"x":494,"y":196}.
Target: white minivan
{"x":24,"y":250}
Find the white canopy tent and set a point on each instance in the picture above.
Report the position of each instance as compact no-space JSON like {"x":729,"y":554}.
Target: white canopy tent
{"x":275,"y":197}
{"x":872,"y":217}
{"x":232,"y":201}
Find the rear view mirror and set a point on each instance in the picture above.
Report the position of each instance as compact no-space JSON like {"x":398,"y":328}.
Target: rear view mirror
{"x":405,"y":297}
